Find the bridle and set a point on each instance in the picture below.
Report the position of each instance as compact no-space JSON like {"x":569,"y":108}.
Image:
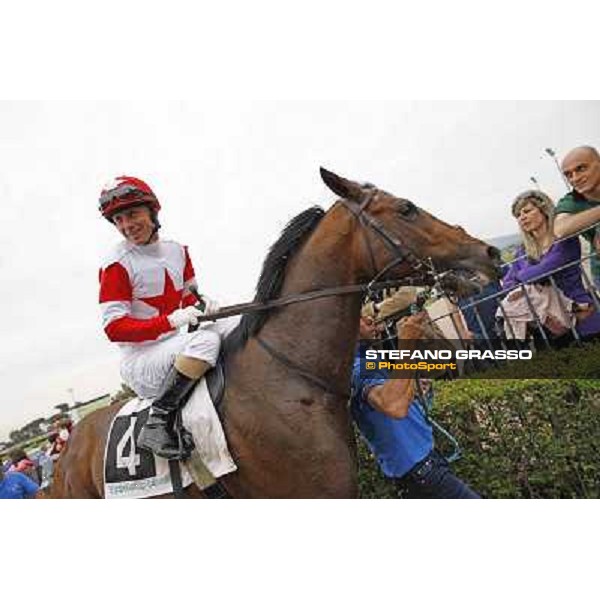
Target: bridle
{"x":427,"y":274}
{"x":401,"y":253}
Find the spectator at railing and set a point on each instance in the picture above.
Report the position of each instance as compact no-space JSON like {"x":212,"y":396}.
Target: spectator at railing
{"x":580,"y":208}
{"x":542,"y":254}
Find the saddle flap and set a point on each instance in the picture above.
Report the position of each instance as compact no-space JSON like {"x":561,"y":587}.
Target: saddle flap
{"x":200,"y":418}
{"x":215,"y":381}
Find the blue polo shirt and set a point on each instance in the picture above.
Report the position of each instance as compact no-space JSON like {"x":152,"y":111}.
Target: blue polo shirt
{"x":398,"y":444}
{"x":16,"y":486}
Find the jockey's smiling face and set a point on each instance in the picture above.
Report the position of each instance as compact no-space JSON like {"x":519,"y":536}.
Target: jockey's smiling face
{"x":135,"y":224}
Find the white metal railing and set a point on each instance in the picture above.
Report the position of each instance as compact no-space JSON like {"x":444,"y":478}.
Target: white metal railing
{"x":491,"y":334}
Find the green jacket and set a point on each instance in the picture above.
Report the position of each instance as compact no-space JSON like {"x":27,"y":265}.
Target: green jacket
{"x":574,"y":203}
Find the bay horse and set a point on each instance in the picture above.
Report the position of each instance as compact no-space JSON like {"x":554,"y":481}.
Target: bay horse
{"x":285,"y":408}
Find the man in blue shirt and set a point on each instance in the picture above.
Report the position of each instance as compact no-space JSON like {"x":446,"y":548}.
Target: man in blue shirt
{"x":396,"y":429}
{"x":16,"y":486}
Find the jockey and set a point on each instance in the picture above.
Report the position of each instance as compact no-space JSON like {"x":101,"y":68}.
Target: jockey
{"x":145,"y":298}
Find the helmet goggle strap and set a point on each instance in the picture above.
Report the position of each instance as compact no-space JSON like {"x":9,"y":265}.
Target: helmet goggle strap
{"x":156,"y":227}
{"x":119,"y":192}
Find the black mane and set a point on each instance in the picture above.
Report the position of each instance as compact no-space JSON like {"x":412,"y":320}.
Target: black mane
{"x":272,"y":275}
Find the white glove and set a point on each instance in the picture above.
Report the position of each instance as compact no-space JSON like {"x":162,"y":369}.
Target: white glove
{"x":184,"y":316}
{"x":212,"y":306}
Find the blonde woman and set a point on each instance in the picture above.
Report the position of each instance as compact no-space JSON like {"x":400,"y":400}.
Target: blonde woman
{"x":541,"y":254}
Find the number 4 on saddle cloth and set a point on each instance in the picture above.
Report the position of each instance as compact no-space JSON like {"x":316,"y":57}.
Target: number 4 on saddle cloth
{"x":132,"y":472}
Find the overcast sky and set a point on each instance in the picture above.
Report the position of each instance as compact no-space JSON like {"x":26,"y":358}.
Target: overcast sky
{"x":229,"y":176}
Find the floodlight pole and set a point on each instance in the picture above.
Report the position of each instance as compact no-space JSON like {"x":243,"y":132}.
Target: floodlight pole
{"x":550,"y":152}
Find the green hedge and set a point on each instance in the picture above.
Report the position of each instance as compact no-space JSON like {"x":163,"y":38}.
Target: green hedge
{"x":526,"y":439}
{"x":568,"y":363}
{"x":520,"y":439}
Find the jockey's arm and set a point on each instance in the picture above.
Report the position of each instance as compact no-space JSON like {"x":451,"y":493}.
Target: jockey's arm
{"x":119,"y":325}
{"x":115,"y":304}
{"x":129,"y":329}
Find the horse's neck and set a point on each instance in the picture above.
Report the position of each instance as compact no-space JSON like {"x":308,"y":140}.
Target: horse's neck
{"x":300,"y":450}
{"x":320,"y":334}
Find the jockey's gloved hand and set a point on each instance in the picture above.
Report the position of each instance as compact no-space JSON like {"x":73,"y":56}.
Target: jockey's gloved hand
{"x":184,"y":316}
{"x":210,"y":306}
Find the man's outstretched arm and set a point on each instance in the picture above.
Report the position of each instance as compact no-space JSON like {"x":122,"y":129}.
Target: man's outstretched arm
{"x":566,"y":224}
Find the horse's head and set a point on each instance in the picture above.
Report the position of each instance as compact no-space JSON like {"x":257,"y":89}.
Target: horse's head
{"x":399,"y":233}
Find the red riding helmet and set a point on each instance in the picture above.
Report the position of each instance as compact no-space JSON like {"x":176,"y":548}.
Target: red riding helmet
{"x":126,"y":192}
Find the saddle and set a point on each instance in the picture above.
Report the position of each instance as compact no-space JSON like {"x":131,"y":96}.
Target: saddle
{"x":132,"y":472}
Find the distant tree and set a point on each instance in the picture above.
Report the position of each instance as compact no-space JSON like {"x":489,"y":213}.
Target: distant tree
{"x":17,"y":436}
{"x":63,"y":407}
{"x":33,"y":428}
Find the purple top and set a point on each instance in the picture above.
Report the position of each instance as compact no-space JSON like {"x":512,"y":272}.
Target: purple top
{"x":569,"y":280}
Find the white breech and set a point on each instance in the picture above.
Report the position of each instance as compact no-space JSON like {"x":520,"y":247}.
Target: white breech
{"x":144,"y":368}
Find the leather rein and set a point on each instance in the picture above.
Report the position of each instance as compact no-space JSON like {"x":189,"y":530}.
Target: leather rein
{"x":400,"y":250}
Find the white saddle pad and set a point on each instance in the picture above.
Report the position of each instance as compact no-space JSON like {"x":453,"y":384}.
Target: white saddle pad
{"x":201,"y":420}
{"x":130,"y":472}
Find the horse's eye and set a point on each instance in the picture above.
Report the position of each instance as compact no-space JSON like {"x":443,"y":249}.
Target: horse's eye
{"x":406,"y":208}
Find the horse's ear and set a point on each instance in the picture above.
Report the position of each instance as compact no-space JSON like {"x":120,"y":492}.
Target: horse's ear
{"x":340,"y":186}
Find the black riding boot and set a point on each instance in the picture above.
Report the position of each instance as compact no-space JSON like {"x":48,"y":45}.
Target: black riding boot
{"x":158,"y":434}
